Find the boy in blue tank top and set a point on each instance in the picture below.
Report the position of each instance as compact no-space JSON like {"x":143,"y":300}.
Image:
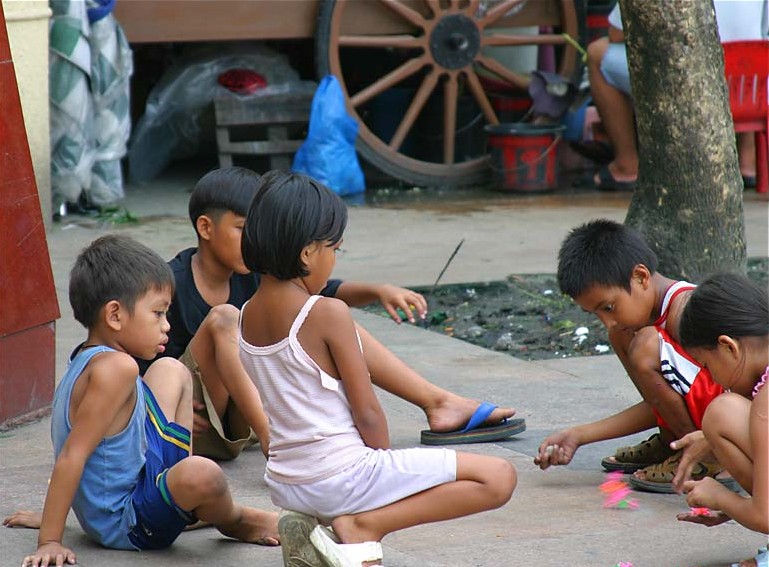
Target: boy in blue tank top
{"x":121,"y":442}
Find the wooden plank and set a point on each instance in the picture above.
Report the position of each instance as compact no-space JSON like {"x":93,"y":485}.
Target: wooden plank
{"x":146,"y":21}
{"x":261,"y":148}
{"x":256,"y":116}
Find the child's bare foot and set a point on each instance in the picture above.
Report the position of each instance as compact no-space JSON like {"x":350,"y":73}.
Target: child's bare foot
{"x":453,"y":412}
{"x":254,"y":526}
{"x":24,"y":519}
{"x":715,"y":518}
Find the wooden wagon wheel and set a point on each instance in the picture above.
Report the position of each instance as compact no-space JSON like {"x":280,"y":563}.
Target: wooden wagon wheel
{"x":436,"y":48}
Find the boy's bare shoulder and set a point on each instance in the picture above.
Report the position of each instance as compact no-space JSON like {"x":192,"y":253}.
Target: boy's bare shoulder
{"x":643,"y":350}
{"x":113,"y":369}
{"x":674,"y":313}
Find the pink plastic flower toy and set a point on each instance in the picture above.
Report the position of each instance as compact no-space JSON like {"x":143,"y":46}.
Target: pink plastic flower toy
{"x":617,"y":492}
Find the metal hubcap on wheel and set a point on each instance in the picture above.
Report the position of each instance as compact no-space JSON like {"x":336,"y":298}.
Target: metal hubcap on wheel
{"x":455,"y":41}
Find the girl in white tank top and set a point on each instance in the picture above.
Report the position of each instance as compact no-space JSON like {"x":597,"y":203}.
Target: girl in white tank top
{"x":329,"y":458}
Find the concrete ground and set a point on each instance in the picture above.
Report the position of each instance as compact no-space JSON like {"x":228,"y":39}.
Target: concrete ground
{"x":555,"y":518}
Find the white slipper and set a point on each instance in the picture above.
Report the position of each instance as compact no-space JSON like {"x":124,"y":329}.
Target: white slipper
{"x":336,"y":554}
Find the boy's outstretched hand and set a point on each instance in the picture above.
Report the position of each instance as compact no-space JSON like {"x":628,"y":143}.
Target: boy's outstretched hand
{"x":52,"y":553}
{"x":409,"y":302}
{"x":558,"y":449}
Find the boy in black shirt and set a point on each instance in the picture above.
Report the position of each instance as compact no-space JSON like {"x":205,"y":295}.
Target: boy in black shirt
{"x":212,"y":283}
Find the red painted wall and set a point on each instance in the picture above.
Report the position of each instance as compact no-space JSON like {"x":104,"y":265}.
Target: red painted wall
{"x":28,"y":305}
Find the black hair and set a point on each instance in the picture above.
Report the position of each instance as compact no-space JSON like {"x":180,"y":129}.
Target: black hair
{"x":222,"y":190}
{"x":114,"y":267}
{"x":601,"y":252}
{"x":724,"y":304}
{"x":289,"y":212}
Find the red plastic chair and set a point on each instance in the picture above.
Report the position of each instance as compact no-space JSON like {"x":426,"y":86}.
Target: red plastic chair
{"x":747,"y":75}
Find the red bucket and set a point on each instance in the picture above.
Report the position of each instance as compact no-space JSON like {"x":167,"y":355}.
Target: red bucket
{"x":524,"y":156}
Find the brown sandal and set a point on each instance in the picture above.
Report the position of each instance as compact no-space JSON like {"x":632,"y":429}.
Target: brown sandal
{"x":629,"y":459}
{"x":659,"y":478}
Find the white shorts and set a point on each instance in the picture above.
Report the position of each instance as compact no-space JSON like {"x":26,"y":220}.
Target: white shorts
{"x":377,"y":479}
{"x":614,"y":67}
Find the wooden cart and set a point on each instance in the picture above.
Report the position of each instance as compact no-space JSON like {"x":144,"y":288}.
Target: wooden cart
{"x":433,"y":53}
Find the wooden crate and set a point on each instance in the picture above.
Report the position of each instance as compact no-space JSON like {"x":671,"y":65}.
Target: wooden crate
{"x":276,"y":122}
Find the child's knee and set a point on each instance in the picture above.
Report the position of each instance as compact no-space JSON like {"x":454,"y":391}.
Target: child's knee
{"x":497,"y":476}
{"x":721,"y":412}
{"x":170,"y":369}
{"x":596,"y":51}
{"x":504,"y":481}
{"x":222,"y":319}
{"x":202,"y":478}
{"x":170,"y":376}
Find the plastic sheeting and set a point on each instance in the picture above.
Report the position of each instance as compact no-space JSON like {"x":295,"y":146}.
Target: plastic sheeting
{"x":90,"y":67}
{"x":172,"y":126}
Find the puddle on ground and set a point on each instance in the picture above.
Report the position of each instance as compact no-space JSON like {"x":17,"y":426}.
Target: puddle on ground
{"x":477,"y":199}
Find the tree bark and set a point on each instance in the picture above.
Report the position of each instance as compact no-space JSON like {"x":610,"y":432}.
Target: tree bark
{"x":688,"y":201}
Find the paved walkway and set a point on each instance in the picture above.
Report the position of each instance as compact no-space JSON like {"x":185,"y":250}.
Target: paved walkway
{"x":555,"y":518}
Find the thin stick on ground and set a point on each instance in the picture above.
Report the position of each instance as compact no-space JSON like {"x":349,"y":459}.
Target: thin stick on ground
{"x":446,"y":267}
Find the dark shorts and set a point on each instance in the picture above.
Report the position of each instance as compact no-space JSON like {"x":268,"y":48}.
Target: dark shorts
{"x":159,"y":521}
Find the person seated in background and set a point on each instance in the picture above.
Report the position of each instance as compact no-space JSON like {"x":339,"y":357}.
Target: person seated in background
{"x":611,"y":91}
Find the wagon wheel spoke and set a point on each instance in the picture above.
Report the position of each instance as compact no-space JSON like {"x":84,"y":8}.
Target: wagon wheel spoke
{"x":382,"y":41}
{"x":472,"y":8}
{"x":513,"y":40}
{"x":405,"y":12}
{"x":420,"y":98}
{"x":450,"y":103}
{"x":435,"y":6}
{"x":498,"y":11}
{"x":480,"y":96}
{"x":392,"y":78}
{"x":497,"y":68}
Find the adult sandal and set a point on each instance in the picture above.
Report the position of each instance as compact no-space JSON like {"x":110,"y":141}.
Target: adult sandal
{"x":629,"y":459}
{"x":334,"y":554}
{"x":659,"y":478}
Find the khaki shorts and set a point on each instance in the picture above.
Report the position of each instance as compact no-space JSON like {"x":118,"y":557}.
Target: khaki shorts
{"x":222,"y":441}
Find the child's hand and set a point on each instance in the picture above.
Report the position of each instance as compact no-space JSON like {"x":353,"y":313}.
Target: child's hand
{"x":199,"y":423}
{"x":703,"y":493}
{"x":558,"y":449}
{"x":393,"y":298}
{"x":52,"y":553}
{"x":715,"y":518}
{"x":695,"y":447}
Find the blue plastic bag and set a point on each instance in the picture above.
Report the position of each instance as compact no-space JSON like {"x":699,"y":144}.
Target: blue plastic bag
{"x":328,"y":153}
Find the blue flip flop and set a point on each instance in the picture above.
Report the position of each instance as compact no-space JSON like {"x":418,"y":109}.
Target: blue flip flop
{"x":476,"y":431}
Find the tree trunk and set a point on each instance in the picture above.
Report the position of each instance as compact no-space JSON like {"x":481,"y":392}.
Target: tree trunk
{"x":688,"y":201}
